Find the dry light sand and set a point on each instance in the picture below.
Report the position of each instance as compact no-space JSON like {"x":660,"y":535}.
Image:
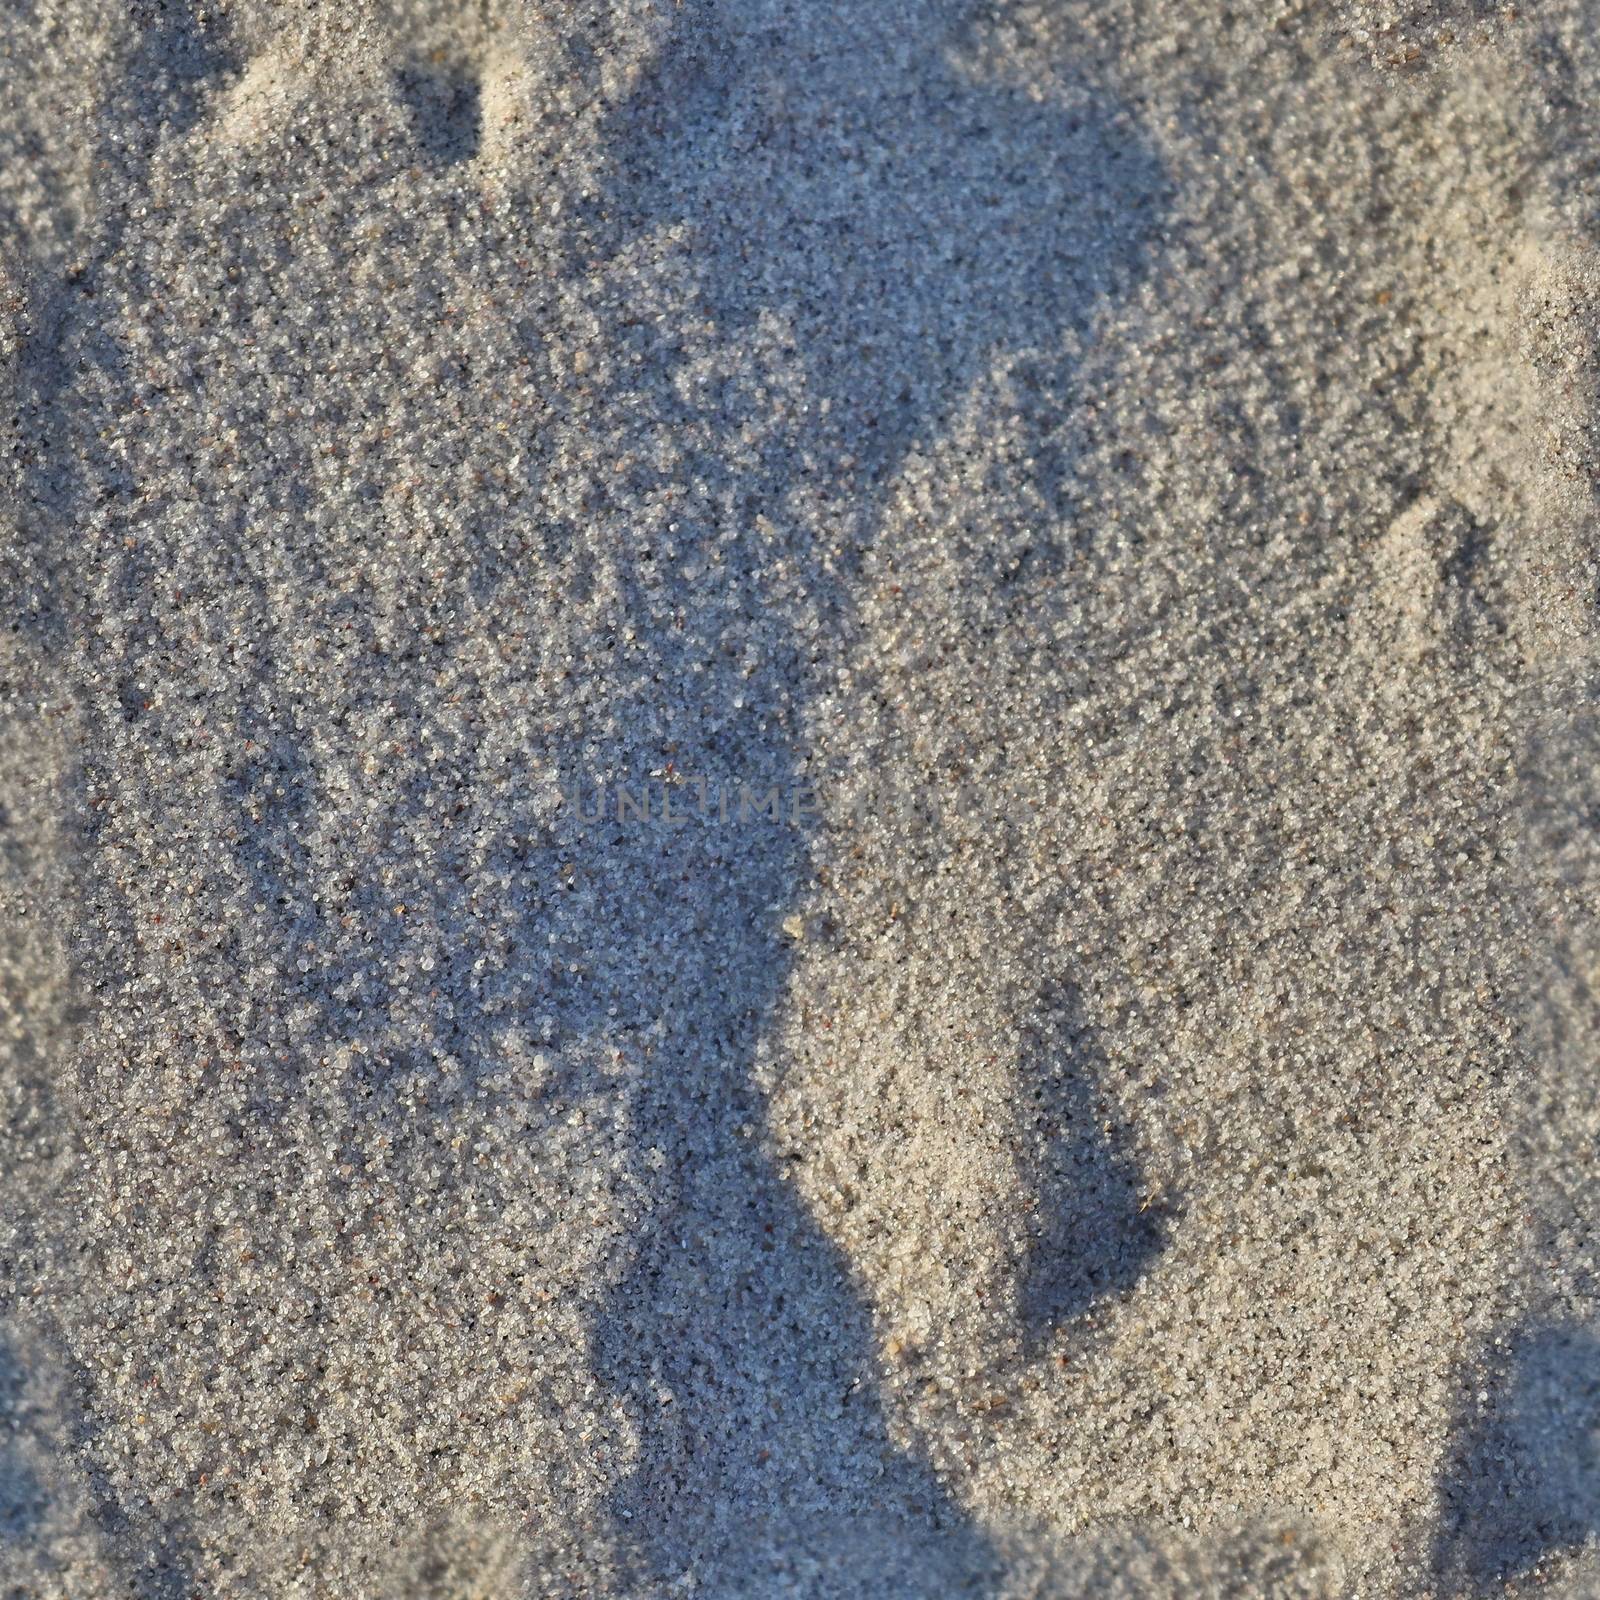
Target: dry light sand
{"x":1122,"y":475}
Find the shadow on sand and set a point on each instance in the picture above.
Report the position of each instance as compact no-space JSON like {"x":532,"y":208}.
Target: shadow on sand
{"x":906,"y":221}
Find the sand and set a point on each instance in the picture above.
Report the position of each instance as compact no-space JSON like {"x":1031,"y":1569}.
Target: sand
{"x":799,"y":800}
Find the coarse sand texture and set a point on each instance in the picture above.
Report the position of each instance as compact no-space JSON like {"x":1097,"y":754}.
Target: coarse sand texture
{"x":799,"y":799}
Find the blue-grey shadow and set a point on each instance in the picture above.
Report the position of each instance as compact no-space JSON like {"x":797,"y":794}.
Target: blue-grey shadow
{"x":180,"y":51}
{"x":22,"y":1496}
{"x":906,"y":222}
{"x":1095,"y":1231}
{"x":444,"y":106}
{"x":1523,"y":1480}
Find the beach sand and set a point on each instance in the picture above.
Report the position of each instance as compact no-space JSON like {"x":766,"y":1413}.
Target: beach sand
{"x":799,"y":800}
